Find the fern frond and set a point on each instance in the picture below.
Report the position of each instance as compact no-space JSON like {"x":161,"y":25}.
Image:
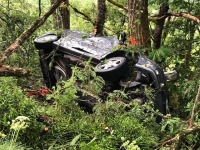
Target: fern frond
{"x":160,"y":54}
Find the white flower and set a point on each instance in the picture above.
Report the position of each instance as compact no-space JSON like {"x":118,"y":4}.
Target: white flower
{"x":22,"y":118}
{"x":19,"y":123}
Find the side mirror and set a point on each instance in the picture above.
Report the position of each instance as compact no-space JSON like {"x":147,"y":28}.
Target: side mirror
{"x":122,"y":37}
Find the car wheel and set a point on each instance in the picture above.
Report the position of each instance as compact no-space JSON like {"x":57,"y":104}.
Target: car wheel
{"x":45,"y":41}
{"x":59,"y":74}
{"x":112,"y":67}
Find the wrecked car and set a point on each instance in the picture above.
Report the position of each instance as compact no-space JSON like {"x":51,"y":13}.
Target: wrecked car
{"x":73,"y":47}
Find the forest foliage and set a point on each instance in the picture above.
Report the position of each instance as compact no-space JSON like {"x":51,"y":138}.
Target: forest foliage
{"x":66,"y":126}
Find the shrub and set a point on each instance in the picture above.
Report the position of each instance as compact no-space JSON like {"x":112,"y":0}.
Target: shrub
{"x":13,"y":103}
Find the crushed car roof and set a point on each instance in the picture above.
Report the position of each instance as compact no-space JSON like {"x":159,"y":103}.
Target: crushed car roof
{"x":96,"y":46}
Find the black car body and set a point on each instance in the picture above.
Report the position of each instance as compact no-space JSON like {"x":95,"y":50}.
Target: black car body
{"x":71,"y":48}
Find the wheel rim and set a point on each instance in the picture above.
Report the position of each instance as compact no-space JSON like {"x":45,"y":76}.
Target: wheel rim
{"x":60,"y":74}
{"x":110,"y":63}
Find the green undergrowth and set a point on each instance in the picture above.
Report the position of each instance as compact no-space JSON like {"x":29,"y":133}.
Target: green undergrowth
{"x":112,"y":125}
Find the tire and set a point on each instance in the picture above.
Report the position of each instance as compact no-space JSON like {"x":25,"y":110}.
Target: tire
{"x":59,"y":74}
{"x":45,"y":41}
{"x":112,"y":67}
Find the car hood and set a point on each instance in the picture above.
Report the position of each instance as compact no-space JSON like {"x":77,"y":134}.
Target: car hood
{"x":96,"y":46}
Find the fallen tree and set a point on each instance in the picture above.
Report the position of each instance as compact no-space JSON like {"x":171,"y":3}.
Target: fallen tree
{"x":10,"y":71}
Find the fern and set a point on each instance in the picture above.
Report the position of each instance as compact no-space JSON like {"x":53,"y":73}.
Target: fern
{"x":173,"y":125}
{"x":160,"y":54}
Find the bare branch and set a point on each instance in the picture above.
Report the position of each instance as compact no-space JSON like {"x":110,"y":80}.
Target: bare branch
{"x":175,"y":142}
{"x":181,"y":14}
{"x":81,"y":13}
{"x":88,"y":18}
{"x":118,"y":5}
{"x":186,"y":15}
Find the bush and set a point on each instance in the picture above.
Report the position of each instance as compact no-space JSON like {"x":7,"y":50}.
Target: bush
{"x":13,"y":103}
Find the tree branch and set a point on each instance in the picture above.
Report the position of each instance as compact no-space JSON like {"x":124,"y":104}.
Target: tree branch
{"x":181,"y":14}
{"x":81,"y":13}
{"x":118,"y":5}
{"x":9,"y":71}
{"x":175,"y":142}
{"x":88,"y":18}
{"x":27,"y":33}
{"x":185,"y":15}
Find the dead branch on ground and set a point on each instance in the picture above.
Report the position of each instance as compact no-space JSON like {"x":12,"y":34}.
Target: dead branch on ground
{"x":9,"y":71}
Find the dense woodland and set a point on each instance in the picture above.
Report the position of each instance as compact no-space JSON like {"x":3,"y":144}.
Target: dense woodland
{"x":166,"y":31}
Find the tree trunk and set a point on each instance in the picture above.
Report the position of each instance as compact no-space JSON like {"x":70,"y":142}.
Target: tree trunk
{"x":159,"y":25}
{"x":61,"y":16}
{"x":138,"y":22}
{"x":54,"y":15}
{"x":101,"y":16}
{"x":66,"y":15}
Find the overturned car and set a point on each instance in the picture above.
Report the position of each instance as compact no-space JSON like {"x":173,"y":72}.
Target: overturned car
{"x":71,"y":49}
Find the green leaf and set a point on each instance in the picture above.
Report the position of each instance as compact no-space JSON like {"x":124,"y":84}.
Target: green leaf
{"x":75,"y":139}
